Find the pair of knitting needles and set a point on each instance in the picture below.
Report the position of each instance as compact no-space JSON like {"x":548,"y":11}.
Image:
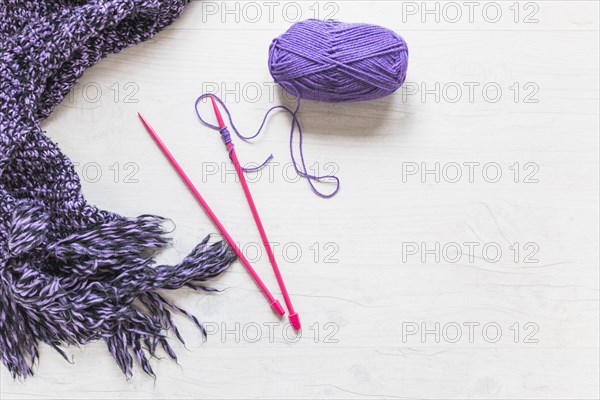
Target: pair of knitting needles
{"x":293,"y":315}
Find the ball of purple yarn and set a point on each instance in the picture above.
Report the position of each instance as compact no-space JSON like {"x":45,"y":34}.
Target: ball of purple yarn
{"x":334,"y":61}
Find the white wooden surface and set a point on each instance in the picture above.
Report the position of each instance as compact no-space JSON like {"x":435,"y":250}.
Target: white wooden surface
{"x":358,"y":312}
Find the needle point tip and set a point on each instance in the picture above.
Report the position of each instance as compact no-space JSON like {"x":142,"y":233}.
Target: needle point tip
{"x":217,"y":112}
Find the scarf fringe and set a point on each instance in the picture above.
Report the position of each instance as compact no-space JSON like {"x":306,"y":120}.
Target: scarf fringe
{"x":99,"y":283}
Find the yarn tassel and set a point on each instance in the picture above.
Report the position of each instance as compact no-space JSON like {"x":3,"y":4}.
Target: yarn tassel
{"x":98,"y":283}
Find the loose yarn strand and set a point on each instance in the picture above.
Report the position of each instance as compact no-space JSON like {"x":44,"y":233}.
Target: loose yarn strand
{"x":330,"y":61}
{"x":301,"y":169}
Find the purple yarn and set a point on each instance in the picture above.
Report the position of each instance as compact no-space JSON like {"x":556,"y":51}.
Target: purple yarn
{"x":328,"y":61}
{"x":334,"y":61}
{"x":301,"y":168}
{"x":71,"y":273}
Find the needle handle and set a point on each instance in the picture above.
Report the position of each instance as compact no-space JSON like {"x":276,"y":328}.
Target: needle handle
{"x":293,"y":315}
{"x":272,"y":300}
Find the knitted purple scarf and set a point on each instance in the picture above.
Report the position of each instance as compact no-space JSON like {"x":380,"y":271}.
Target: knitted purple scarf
{"x":71,"y":273}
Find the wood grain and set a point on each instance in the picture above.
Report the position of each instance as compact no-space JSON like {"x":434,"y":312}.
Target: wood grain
{"x":356,"y":282}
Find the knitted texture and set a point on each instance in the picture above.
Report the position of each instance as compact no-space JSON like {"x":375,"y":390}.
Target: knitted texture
{"x":71,"y":273}
{"x":336,"y":61}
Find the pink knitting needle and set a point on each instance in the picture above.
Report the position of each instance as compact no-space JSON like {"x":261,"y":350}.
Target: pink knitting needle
{"x":293,"y":315}
{"x":272,"y":300}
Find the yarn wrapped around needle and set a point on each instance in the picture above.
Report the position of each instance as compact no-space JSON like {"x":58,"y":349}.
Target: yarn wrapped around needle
{"x":328,"y":61}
